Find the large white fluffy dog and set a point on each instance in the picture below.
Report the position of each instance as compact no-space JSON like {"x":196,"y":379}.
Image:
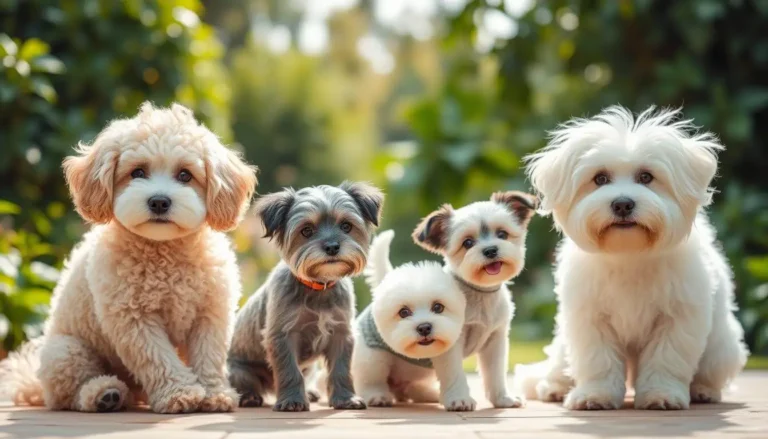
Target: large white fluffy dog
{"x":645,"y":294}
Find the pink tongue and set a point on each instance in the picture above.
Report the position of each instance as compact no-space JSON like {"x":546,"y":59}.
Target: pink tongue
{"x":493,"y":268}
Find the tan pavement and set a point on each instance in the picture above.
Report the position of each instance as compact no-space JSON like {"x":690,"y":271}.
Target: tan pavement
{"x":743,"y":415}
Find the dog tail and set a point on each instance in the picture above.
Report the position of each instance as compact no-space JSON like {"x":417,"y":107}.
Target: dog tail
{"x":378,"y":258}
{"x":18,"y":375}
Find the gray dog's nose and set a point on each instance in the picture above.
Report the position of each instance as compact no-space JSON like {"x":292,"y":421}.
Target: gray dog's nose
{"x":424,"y":329}
{"x":331,"y":248}
{"x":159,"y":204}
{"x":623,"y":206}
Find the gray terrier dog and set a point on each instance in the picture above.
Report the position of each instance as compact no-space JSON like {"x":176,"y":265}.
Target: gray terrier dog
{"x":305,"y":309}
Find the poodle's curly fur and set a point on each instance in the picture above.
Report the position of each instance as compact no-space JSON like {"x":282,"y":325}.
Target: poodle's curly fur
{"x":137,"y":315}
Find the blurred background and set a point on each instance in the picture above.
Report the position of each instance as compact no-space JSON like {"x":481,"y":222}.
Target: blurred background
{"x":434,"y":100}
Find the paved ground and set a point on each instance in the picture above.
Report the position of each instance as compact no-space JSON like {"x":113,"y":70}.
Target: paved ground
{"x":743,"y":415}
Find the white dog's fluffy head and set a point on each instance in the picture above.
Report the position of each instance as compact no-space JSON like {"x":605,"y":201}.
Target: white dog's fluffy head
{"x":161,"y":175}
{"x":483,"y":242}
{"x":620,"y":184}
{"x":419,"y":310}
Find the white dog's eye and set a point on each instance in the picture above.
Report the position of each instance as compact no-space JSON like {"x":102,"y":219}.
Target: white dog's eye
{"x":346,"y":227}
{"x":468,"y":243}
{"x":404,"y":312}
{"x":307,"y":231}
{"x":644,"y":178}
{"x":438,"y":308}
{"x":501,"y":234}
{"x":602,"y":179}
{"x":138,"y":173}
{"x":184,"y":176}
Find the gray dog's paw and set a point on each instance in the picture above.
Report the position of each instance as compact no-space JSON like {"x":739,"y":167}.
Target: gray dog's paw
{"x":291,"y":405}
{"x":313,"y":395}
{"x":348,"y":403}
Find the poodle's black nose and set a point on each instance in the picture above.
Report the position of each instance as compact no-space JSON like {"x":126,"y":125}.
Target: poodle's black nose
{"x":623,"y":206}
{"x":159,"y":204}
{"x":424,"y":329}
{"x":491,"y":252}
{"x":331,"y":248}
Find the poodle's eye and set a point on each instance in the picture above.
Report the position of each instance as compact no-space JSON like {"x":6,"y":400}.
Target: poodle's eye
{"x":602,"y":179}
{"x":138,"y":173}
{"x":404,"y":312}
{"x":307,"y":231}
{"x":501,"y":234}
{"x":184,"y":176}
{"x":346,"y":227}
{"x":438,"y":308}
{"x":645,"y":178}
{"x":468,"y":243}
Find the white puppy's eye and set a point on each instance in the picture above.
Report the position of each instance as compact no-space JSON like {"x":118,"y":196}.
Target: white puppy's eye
{"x":601,"y":179}
{"x":501,"y":234}
{"x":184,"y":176}
{"x":307,"y":231}
{"x":138,"y":173}
{"x":438,"y":308}
{"x":468,"y":243}
{"x":644,"y":177}
{"x":404,"y":312}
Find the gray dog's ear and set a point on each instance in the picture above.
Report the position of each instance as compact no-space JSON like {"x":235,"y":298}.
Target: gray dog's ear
{"x":432,"y":233}
{"x":369,"y":199}
{"x":273,"y":211}
{"x":521,"y":204}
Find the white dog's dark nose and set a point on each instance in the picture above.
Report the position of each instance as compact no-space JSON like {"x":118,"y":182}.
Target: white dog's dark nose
{"x":159,"y":204}
{"x":623,"y":206}
{"x":491,"y":252}
{"x":424,"y":329}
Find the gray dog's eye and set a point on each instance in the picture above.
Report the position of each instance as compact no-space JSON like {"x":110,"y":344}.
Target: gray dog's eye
{"x":307,"y":231}
{"x":346,"y":227}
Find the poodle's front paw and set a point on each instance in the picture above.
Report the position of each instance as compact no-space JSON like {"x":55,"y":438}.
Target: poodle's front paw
{"x":103,"y":394}
{"x":177,"y":399}
{"x":508,"y":402}
{"x":551,"y":391}
{"x":661,"y":399}
{"x":219,"y":400}
{"x":347,"y":402}
{"x":704,"y":394}
{"x":590,"y":397}
{"x":292,"y":404}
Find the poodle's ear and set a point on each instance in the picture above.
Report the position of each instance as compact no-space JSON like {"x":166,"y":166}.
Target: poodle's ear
{"x":368,"y":198}
{"x":90,"y":176}
{"x":521,"y":204}
{"x":273,"y":211}
{"x":432,"y":233}
{"x":231,"y":183}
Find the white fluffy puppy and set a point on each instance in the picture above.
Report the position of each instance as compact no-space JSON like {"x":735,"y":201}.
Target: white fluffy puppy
{"x":417,"y":313}
{"x":645,"y":294}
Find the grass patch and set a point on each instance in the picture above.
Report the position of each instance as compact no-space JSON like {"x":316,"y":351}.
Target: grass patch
{"x":531,"y":351}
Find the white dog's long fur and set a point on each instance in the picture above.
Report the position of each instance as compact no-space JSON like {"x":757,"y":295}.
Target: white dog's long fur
{"x":650,"y":304}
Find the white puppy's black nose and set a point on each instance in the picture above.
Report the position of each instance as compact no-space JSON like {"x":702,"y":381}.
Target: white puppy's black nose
{"x":424,"y":329}
{"x":491,"y":252}
{"x":159,"y":204}
{"x":622,"y":206}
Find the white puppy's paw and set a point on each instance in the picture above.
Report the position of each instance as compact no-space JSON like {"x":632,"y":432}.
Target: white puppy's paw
{"x":551,"y":391}
{"x":378,"y":398}
{"x":667,"y":398}
{"x":591,"y":397}
{"x":703,"y":394}
{"x":458,"y":400}
{"x":509,"y":402}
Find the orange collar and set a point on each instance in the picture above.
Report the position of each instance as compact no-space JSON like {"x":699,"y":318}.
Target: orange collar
{"x":317,"y":286}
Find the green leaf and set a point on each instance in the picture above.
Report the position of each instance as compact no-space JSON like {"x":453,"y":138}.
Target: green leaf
{"x":758,"y":267}
{"x":48,"y":64}
{"x":43,"y":88}
{"x":8,"y":46}
{"x":32,"y":48}
{"x":8,"y":208}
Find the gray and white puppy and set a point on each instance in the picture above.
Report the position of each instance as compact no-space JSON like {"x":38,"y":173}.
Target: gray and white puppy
{"x":305,"y":309}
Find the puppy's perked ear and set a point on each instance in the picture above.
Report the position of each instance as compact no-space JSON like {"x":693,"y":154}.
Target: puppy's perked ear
{"x":432,"y":233}
{"x":521,"y":204}
{"x":367,"y":197}
{"x":273,"y":210}
{"x":90,"y":176}
{"x":231,"y":183}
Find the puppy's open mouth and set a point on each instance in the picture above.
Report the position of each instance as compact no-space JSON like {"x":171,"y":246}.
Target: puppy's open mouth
{"x":426,"y":341}
{"x":624,"y":224}
{"x":493,"y":268}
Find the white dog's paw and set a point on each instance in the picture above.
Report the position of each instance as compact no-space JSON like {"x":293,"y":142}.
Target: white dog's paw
{"x":378,"y":399}
{"x":551,"y":391}
{"x":509,"y":402}
{"x":594,"y":398}
{"x":661,"y":399}
{"x":703,"y":394}
{"x":458,"y":400}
